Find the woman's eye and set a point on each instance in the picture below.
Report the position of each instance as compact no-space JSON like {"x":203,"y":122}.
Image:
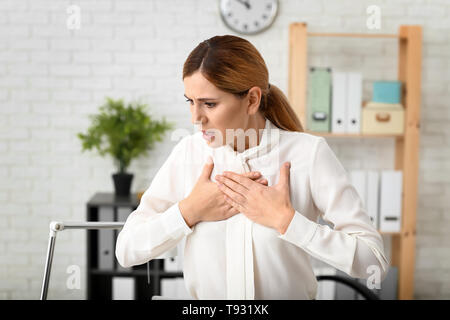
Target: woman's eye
{"x":209,"y":104}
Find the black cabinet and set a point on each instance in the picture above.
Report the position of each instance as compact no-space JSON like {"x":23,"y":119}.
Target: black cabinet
{"x":102,"y":266}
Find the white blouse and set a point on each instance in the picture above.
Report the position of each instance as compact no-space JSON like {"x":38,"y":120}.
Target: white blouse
{"x":237,"y":258}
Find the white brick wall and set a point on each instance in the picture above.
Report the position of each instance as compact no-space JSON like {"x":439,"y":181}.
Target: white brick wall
{"x":52,"y":78}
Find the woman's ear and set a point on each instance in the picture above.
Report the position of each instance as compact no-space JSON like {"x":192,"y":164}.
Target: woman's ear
{"x":254,"y":99}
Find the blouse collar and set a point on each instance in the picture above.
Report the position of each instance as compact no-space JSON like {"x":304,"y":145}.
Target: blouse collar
{"x":269,"y":139}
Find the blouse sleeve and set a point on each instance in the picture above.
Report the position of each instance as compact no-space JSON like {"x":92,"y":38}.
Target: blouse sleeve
{"x":156,"y":225}
{"x":354,"y":244}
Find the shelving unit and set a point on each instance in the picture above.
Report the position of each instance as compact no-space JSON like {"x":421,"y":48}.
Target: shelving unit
{"x":409,"y":39}
{"x":99,"y":281}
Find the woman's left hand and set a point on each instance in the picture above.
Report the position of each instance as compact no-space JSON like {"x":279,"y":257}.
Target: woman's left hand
{"x":266,"y":205}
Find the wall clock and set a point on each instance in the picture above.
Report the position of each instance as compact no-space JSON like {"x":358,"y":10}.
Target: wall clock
{"x":248,"y":16}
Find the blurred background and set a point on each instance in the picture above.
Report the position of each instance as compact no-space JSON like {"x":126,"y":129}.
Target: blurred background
{"x":59,"y":60}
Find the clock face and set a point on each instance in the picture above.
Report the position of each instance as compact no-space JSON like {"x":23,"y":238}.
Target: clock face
{"x":248,"y":16}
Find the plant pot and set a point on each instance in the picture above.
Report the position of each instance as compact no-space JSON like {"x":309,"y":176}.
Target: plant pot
{"x":122,"y":183}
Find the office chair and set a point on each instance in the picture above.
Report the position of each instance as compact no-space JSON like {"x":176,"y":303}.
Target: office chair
{"x":355,"y":285}
{"x":60,"y":226}
{"x":358,"y":287}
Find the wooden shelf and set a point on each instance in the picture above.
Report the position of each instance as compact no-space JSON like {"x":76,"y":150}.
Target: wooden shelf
{"x":390,"y":233}
{"x":354,"y":35}
{"x":353,"y":135}
{"x":409,"y":41}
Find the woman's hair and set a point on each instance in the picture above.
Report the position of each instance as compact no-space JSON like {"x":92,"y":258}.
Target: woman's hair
{"x":234,"y":65}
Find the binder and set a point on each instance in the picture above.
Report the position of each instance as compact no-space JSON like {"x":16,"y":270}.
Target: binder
{"x":123,"y":288}
{"x":339,"y":103}
{"x":373,"y":186}
{"x":106,"y":241}
{"x":354,"y":102}
{"x":366,"y":184}
{"x":319,"y":99}
{"x":391,"y":200}
{"x":122,"y":215}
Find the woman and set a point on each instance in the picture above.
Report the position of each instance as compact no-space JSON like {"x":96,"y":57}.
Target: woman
{"x":247,"y":205}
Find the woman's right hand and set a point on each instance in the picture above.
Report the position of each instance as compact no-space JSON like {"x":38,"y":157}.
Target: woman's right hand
{"x":206,"y":202}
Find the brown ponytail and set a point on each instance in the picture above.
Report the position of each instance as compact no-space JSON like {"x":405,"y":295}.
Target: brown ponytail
{"x":234,"y":65}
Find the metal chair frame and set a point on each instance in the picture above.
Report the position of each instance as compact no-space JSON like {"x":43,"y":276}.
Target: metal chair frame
{"x":56,"y":226}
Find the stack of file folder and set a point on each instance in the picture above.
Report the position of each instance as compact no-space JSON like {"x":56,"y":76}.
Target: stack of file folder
{"x":334,"y":101}
{"x":381,"y":195}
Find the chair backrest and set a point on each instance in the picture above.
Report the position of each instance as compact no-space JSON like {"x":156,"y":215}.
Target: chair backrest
{"x":355,"y":285}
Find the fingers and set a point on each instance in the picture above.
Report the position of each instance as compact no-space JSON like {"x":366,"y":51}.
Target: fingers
{"x":232,"y":211}
{"x":238,"y":179}
{"x":252,"y":175}
{"x":262,"y":181}
{"x":228,"y":209}
{"x":284,"y":174}
{"x":232,"y":185}
{"x":230,"y":193}
{"x":207,"y":168}
{"x":255,"y":176}
{"x":236,"y":205}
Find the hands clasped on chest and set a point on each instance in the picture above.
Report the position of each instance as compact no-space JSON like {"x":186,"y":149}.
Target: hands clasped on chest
{"x":233,"y":193}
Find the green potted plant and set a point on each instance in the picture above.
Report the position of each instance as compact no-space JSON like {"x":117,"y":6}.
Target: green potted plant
{"x":123,"y":132}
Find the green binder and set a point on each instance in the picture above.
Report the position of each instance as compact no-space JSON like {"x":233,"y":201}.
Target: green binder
{"x":319,"y":99}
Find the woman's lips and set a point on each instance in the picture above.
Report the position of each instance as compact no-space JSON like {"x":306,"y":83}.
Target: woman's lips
{"x":208,"y":135}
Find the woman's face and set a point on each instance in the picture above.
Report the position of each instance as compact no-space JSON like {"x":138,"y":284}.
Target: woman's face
{"x":216,"y":111}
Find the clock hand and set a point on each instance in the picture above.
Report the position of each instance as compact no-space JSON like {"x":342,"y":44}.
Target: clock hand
{"x":245,"y":3}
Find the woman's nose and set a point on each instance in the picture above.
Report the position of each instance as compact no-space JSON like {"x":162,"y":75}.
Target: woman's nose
{"x":196,"y":116}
